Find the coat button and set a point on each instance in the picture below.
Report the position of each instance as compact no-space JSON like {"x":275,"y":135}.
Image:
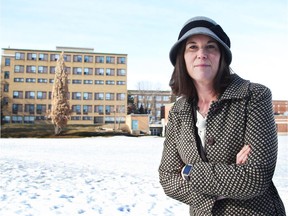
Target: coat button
{"x":210,"y":141}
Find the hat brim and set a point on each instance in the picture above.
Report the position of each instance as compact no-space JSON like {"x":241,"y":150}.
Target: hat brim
{"x":197,"y":31}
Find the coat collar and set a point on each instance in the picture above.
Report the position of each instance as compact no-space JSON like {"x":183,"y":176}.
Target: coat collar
{"x":237,"y":89}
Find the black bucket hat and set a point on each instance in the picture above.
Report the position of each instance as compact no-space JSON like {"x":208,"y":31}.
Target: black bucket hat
{"x":205,"y":26}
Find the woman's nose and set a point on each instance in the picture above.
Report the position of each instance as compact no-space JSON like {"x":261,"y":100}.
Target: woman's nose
{"x":202,"y":53}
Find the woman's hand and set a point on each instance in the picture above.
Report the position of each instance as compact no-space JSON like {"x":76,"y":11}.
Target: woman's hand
{"x":242,"y":156}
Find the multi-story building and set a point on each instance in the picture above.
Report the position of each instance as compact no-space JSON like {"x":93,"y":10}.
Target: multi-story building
{"x":97,"y":84}
{"x":151,"y":101}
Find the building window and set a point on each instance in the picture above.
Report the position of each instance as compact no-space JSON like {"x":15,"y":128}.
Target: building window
{"x":98,"y":109}
{"x":121,"y":72}
{"x":77,"y":70}
{"x":19,"y":68}
{"x":6,"y":87}
{"x":76,"y":95}
{"x":158,"y":98}
{"x":19,"y":56}
{"x":109,"y":109}
{"x":109,"y":120}
{"x":121,"y":83}
{"x":30,"y":95}
{"x":88,"y":81}
{"x":17,"y":108}
{"x":88,"y":71}
{"x":76,"y":118}
{"x":87,"y":109}
{"x":67,"y":70}
{"x":54,"y":57}
{"x":87,"y":96}
{"x":40,"y":109}
{"x":76,"y":109}
{"x":5,"y":100}
{"x":109,"y":96}
{"x":43,"y":57}
{"x":42,"y":69}
{"x":87,"y":118}
{"x":67,"y":58}
{"x":18,"y":79}
{"x":52,"y":70}
{"x":7,"y":61}
{"x":99,"y":59}
{"x":77,"y":58}
{"x":29,"y":108}
{"x":110,"y":82}
{"x":99,"y":82}
{"x":166,"y":98}
{"x":120,"y":108}
{"x":32,"y":56}
{"x":110,"y":59}
{"x":98,"y":120}
{"x":158,"y":105}
{"x":88,"y":58}
{"x":76,"y":81}
{"x":31,"y":69}
{"x":18,"y":94}
{"x":120,"y":96}
{"x":6,"y":75}
{"x":99,"y":96}
{"x":99,"y":71}
{"x":110,"y":72}
{"x":41,"y":80}
{"x":121,"y":60}
{"x":29,"y":119}
{"x":17,"y":119}
{"x":41,"y":95}
{"x":30,"y":80}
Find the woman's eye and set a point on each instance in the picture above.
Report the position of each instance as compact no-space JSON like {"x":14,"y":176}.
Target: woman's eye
{"x":193,"y":47}
{"x":211,"y":47}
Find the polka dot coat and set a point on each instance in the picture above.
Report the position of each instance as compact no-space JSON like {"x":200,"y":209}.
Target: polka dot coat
{"x":242,"y":115}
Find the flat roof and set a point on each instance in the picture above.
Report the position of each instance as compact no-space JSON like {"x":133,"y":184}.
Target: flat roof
{"x":59,"y":49}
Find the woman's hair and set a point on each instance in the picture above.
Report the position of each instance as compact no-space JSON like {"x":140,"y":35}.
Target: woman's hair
{"x":182,"y":84}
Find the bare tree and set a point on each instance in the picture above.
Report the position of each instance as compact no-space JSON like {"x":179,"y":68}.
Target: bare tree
{"x":60,"y":109}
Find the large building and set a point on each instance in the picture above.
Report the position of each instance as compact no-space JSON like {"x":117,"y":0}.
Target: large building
{"x":97,"y":85}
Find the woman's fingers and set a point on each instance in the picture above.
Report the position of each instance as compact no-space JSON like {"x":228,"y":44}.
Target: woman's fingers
{"x":242,"y":156}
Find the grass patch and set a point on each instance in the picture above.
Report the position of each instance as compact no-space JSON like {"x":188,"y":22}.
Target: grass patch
{"x":47,"y":131}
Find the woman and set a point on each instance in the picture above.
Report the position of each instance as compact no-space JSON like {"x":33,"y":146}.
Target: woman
{"x":220,"y":149}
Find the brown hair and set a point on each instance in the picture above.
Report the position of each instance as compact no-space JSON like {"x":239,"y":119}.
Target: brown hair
{"x":182,"y":84}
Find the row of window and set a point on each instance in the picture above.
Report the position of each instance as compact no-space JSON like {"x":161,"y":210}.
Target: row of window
{"x":142,"y":99}
{"x":78,"y":109}
{"x":75,"y":95}
{"x":75,"y":70}
{"x":31,"y":119}
{"x":74,"y":81}
{"x":67,"y":58}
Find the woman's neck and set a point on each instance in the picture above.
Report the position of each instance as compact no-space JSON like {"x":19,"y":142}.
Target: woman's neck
{"x":205,"y":99}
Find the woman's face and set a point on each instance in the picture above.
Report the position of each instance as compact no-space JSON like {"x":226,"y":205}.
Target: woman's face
{"x":202,"y":58}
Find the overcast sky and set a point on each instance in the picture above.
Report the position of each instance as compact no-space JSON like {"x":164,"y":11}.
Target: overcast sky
{"x":146,"y":30}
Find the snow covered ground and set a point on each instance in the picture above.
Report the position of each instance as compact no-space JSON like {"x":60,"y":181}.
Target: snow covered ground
{"x":93,"y":176}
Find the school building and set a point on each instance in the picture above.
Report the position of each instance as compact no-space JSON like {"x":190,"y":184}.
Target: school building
{"x":97,"y":85}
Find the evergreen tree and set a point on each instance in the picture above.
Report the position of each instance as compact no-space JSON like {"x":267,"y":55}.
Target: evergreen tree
{"x":60,"y":109}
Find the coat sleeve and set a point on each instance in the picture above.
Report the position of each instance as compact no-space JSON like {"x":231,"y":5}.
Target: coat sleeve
{"x":169,"y":173}
{"x":255,"y":176}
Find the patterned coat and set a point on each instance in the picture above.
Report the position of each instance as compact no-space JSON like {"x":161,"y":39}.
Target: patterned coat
{"x":242,"y":115}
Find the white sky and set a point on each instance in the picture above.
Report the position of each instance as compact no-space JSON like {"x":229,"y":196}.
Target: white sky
{"x":146,"y":30}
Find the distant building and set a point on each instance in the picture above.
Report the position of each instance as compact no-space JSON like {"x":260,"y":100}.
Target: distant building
{"x":149,"y":102}
{"x":97,"y":85}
